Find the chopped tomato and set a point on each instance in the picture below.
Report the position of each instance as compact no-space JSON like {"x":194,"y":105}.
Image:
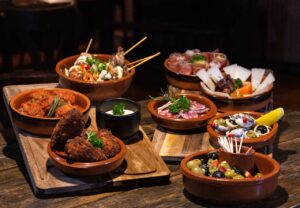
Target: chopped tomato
{"x":222,"y":169}
{"x":215,"y":163}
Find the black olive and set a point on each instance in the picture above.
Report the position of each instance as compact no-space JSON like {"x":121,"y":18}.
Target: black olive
{"x":232,"y":121}
{"x":212,"y":155}
{"x":262,"y":129}
{"x":218,"y":174}
{"x":206,"y":168}
{"x":237,"y":171}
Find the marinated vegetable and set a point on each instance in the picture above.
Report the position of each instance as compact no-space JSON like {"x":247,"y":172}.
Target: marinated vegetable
{"x":211,"y":166}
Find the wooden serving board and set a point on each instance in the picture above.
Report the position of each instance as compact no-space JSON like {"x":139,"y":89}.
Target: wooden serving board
{"x":142,"y":164}
{"x":174,"y":145}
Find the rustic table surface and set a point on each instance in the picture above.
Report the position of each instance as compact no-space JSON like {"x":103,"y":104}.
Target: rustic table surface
{"x":17,"y":192}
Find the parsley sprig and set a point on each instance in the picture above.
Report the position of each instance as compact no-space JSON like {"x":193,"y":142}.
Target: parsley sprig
{"x":118,"y":109}
{"x":94,"y":139}
{"x":180,"y":104}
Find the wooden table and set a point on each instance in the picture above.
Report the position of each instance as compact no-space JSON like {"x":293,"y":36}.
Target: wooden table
{"x":17,"y":192}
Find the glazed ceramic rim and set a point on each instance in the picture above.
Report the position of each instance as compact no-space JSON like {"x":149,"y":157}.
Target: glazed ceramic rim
{"x":214,"y":134}
{"x":59,"y":71}
{"x":27,"y":92}
{"x":152,"y":108}
{"x":121,"y":99}
{"x":86,"y":165}
{"x":227,"y":181}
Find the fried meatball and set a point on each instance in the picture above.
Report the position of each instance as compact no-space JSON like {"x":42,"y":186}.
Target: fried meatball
{"x":68,"y":127}
{"x":110,"y":146}
{"x":80,"y":150}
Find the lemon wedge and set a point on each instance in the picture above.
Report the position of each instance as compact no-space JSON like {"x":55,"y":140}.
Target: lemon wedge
{"x":270,"y":118}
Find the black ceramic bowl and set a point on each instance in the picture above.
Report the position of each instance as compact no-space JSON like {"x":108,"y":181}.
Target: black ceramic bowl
{"x":122,"y":126}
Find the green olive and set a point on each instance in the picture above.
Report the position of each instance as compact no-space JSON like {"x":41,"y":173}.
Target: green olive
{"x":230,"y":173}
{"x":238,"y":177}
{"x":212,"y":170}
{"x":197,"y":170}
{"x":258,"y":175}
{"x":191,"y":164}
{"x":225,"y":165}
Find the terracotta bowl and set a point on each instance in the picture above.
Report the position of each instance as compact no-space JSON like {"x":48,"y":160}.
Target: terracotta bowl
{"x":183,"y":124}
{"x":38,"y":125}
{"x":96,"y":91}
{"x":232,"y":191}
{"x":251,"y":103}
{"x":242,"y":161}
{"x":256,"y":143}
{"x":87,"y":168}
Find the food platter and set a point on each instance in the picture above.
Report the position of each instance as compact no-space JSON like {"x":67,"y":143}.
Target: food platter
{"x":47,"y":179}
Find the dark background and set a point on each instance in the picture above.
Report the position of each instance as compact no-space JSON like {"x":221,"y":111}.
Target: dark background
{"x":253,"y":33}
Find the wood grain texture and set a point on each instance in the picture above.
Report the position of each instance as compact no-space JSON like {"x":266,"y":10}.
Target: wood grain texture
{"x":141,"y":161}
{"x":17,"y":192}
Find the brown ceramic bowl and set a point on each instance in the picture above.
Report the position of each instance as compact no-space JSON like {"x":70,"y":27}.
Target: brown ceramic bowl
{"x":87,"y":168}
{"x":183,"y":124}
{"x":232,"y":191}
{"x":243,"y":161}
{"x":256,"y":143}
{"x":96,"y":91}
{"x":39,"y":125}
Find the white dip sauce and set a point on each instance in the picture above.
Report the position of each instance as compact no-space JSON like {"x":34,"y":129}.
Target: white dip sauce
{"x":126,"y":112}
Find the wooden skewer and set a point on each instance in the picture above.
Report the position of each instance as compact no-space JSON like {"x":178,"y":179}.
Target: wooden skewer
{"x":89,"y":45}
{"x":139,"y":60}
{"x":135,"y":45}
{"x":142,"y":59}
{"x":147,"y":59}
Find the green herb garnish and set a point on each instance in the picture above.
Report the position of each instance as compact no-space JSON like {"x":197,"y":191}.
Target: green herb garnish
{"x":180,"y":104}
{"x":118,"y":109}
{"x":53,"y":107}
{"x":94,"y":139}
{"x":96,"y":65}
{"x":197,"y":57}
{"x":237,"y":84}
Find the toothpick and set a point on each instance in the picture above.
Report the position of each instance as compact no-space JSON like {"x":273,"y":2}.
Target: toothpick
{"x":241,"y":142}
{"x":135,"y":45}
{"x":236,"y":148}
{"x":89,"y":45}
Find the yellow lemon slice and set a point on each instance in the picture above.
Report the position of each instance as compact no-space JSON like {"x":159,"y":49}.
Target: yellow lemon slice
{"x":271,"y":117}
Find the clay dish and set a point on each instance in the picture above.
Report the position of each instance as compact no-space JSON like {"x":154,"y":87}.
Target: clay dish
{"x":96,"y":91}
{"x":232,"y":191}
{"x":256,"y":143}
{"x":87,"y":168}
{"x":183,"y":124}
{"x":43,"y":125}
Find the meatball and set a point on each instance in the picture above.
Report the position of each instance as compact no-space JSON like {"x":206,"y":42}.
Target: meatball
{"x":110,"y":146}
{"x":80,"y":150}
{"x":69,"y":126}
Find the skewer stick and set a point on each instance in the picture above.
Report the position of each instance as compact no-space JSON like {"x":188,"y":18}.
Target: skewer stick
{"x":147,"y":59}
{"x":139,"y":60}
{"x":241,"y":142}
{"x":135,"y":45}
{"x":142,"y":59}
{"x":89,"y":45}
